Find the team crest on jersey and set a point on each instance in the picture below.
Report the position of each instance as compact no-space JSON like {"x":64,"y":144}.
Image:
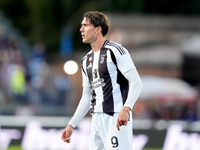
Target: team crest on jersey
{"x":102,"y":58}
{"x":90,"y":59}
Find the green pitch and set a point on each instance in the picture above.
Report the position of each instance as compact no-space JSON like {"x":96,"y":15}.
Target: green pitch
{"x":14,"y":148}
{"x":19,"y":148}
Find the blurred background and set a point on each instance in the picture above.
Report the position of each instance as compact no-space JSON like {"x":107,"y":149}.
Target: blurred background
{"x":41,"y":51}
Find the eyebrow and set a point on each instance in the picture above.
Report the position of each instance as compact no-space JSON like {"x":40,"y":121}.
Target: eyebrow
{"x":85,"y":23}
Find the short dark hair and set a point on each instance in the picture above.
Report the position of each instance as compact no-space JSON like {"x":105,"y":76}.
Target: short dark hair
{"x":98,"y":19}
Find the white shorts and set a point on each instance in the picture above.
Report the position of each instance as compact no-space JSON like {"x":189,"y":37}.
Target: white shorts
{"x":105,"y":136}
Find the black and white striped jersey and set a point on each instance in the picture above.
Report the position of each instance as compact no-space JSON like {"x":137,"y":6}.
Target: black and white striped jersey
{"x":103,"y":71}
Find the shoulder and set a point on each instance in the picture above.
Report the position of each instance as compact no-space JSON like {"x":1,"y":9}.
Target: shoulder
{"x":84,"y":58}
{"x":115,"y":47}
{"x":83,"y":62}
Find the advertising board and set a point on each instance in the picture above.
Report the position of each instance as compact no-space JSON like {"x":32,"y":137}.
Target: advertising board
{"x":34,"y":136}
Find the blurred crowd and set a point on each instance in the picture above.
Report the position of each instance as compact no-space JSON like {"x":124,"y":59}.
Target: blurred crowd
{"x":31,"y":86}
{"x":28,"y":82}
{"x":154,"y":110}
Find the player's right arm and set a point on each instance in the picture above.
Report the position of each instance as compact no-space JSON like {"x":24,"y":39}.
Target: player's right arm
{"x":81,"y":111}
{"x":83,"y":107}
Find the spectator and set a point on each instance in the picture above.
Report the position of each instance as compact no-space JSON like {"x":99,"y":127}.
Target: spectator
{"x":62,"y":86}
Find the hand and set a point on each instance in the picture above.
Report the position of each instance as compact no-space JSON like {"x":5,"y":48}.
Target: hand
{"x":123,"y":117}
{"x":66,"y":133}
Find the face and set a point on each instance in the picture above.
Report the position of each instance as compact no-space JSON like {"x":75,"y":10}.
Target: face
{"x":88,"y":31}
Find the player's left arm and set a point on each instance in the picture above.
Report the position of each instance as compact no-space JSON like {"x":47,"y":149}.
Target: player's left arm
{"x":135,"y":87}
{"x":126,"y":66}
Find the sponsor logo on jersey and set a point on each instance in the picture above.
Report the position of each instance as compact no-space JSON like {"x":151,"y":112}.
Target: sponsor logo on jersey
{"x":98,"y":83}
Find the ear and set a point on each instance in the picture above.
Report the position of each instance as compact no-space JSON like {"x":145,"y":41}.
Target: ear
{"x":98,"y":29}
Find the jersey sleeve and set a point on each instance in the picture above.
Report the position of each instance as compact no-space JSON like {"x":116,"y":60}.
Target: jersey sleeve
{"x":135,"y":87}
{"x":123,"y":60}
{"x":83,"y":107}
{"x":85,"y":80}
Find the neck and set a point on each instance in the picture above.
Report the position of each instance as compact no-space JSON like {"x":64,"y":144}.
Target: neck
{"x":97,"y":45}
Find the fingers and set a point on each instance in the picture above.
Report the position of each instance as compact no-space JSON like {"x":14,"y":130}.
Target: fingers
{"x":66,"y":133}
{"x":65,"y":136}
{"x":125,"y":123}
{"x":122,"y":119}
{"x":67,"y":140}
{"x":118,"y":126}
{"x":121,"y":123}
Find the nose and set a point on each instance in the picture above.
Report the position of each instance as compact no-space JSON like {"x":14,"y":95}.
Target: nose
{"x":81,"y":29}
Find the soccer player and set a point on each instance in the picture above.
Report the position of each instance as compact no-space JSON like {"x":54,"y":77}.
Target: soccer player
{"x":111,"y":86}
